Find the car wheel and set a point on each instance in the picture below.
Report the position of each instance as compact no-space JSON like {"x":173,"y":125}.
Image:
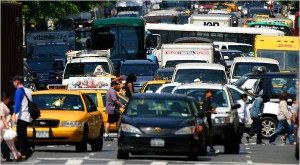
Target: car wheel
{"x":269,"y":125}
{"x":193,"y":156}
{"x":82,"y":145}
{"x":122,"y":155}
{"x":97,"y":145}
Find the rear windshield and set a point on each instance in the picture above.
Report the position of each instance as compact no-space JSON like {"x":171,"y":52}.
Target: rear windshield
{"x":138,"y":69}
{"x":205,"y":75}
{"x":84,"y":69}
{"x":173,"y":63}
{"x":242,"y":68}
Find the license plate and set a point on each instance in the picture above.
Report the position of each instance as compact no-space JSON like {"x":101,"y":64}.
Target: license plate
{"x":42,"y":134}
{"x":157,"y":143}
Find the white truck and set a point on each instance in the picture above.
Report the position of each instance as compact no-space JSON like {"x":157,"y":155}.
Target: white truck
{"x":222,"y":20}
{"x":173,"y":54}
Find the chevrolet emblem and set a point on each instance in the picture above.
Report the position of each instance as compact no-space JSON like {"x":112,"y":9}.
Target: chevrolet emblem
{"x":157,"y":129}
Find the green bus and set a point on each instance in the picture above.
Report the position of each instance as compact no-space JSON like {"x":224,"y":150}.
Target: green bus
{"x":272,"y":25}
{"x":129,"y":37}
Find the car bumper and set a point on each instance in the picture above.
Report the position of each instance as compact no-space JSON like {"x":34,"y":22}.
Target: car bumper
{"x":178,"y":145}
{"x":55,"y":135}
{"x":220,"y":132}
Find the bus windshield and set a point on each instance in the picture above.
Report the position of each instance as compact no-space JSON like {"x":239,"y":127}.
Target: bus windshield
{"x":286,"y":58}
{"x":52,"y":50}
{"x":128,"y":41}
{"x":242,"y":68}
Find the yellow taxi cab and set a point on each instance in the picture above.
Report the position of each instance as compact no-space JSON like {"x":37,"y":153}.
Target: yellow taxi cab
{"x":152,"y":86}
{"x":233,"y":6}
{"x":99,"y":97}
{"x":67,"y":117}
{"x":247,"y":22}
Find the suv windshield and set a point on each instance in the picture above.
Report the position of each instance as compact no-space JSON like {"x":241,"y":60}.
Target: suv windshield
{"x":231,"y":55}
{"x":139,"y":69}
{"x":83,"y":69}
{"x":205,"y":75}
{"x":173,"y":63}
{"x":58,"y":102}
{"x":219,"y":97}
{"x":242,"y":68}
{"x":159,"y":107}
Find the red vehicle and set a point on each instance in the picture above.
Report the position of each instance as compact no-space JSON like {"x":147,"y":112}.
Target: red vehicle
{"x":296,"y":24}
{"x":205,"y":7}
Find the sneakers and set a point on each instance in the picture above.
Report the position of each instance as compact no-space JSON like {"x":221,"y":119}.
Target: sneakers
{"x":212,"y":150}
{"x":262,"y":143}
{"x":107,"y":138}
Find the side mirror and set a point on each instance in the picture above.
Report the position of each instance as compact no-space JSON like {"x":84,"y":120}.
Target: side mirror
{"x":200,"y":114}
{"x":235,"y":106}
{"x":92,"y":108}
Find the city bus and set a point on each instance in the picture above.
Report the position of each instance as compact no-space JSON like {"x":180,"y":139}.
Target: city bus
{"x":284,"y":49}
{"x":163,"y":16}
{"x":222,"y":20}
{"x":169,"y":33}
{"x":129,"y":37}
{"x":272,"y":25}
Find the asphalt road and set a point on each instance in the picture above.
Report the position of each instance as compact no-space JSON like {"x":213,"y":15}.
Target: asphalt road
{"x":249,"y":154}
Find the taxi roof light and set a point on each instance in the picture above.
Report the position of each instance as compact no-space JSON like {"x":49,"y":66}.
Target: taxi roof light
{"x":87,"y":53}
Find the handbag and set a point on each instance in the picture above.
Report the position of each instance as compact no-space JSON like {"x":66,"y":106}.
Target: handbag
{"x":9,"y":134}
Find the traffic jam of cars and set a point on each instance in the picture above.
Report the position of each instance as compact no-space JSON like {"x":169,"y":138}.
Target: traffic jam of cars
{"x":180,"y":69}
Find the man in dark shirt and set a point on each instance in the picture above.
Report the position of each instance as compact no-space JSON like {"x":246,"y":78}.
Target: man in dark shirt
{"x":205,"y":106}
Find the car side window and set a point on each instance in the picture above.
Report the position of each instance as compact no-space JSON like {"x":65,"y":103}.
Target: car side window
{"x":284,"y":84}
{"x":104,"y":99}
{"x":86,"y":101}
{"x":91,"y":101}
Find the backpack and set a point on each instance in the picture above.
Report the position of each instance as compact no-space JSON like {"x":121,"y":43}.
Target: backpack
{"x":33,"y":109}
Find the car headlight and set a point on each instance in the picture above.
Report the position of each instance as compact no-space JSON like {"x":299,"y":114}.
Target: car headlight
{"x":186,"y":130}
{"x":129,"y":128}
{"x":72,"y":124}
{"x":222,"y":120}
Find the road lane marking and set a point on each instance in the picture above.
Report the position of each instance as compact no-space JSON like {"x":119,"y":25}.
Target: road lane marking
{"x":158,"y":163}
{"x":108,"y":145}
{"x":249,"y":152}
{"x":249,"y":162}
{"x":247,"y":148}
{"x":115,"y":163}
{"x":92,"y":154}
{"x":248,"y":156}
{"x":246,"y":144}
{"x":74,"y":161}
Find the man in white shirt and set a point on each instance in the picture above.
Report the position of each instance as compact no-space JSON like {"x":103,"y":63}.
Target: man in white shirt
{"x":242,"y":113}
{"x":21,"y":114}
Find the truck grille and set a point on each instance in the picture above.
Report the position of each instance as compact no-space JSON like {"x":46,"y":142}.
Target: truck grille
{"x":45,"y":123}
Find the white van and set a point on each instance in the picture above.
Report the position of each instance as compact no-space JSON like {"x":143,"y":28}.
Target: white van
{"x":221,"y":20}
{"x":83,"y":64}
{"x":173,"y":54}
{"x":206,"y":73}
{"x":243,"y":65}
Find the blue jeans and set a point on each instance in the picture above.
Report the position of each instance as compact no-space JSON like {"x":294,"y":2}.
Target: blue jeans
{"x":281,"y":124}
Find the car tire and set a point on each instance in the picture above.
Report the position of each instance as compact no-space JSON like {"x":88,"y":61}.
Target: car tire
{"x":97,"y":145}
{"x":122,"y":155}
{"x":193,"y":156}
{"x":82,"y":145}
{"x":269,"y":125}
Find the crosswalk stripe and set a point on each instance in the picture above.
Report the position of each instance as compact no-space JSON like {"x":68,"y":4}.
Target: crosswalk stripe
{"x":158,"y":163}
{"x":74,"y":162}
{"x":115,"y":162}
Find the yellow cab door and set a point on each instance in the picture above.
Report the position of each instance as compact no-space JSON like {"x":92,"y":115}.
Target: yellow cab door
{"x":93,"y":119}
